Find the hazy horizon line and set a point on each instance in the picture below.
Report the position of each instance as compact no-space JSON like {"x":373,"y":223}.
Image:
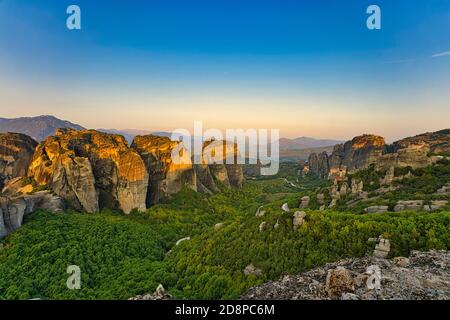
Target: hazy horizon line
{"x":152,"y":131}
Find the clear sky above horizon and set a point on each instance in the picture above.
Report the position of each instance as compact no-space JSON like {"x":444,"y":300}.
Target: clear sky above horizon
{"x":309,"y":68}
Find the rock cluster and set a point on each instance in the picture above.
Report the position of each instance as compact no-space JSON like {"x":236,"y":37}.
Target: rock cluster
{"x":376,"y":209}
{"x":357,"y":187}
{"x":304,"y":202}
{"x":435,"y":205}
{"x":299,"y":219}
{"x":389,"y":177}
{"x":382,"y":248}
{"x":363,"y":151}
{"x":342,"y":188}
{"x":338,"y":282}
{"x":159,"y":294}
{"x":422,"y":276}
{"x":320,"y":198}
{"x":94,"y":170}
{"x":91,"y":170}
{"x":418,"y":205}
{"x":408,"y":205}
{"x":252,"y":270}
{"x":445,"y":190}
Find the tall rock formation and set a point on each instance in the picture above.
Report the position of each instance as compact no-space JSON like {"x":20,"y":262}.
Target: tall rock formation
{"x":318,"y":164}
{"x":16,"y":152}
{"x":313,"y":164}
{"x":219,"y":163}
{"x":169,"y":166}
{"x":91,"y":170}
{"x":359,"y":153}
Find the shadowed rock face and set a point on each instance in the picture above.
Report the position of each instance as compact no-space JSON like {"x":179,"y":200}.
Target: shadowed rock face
{"x":16,"y":152}
{"x":205,"y":179}
{"x":91,"y":170}
{"x":219,"y":163}
{"x":318,"y":164}
{"x":13,"y":210}
{"x":167,"y":174}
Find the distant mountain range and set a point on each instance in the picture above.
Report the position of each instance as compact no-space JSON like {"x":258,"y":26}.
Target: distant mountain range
{"x":41,"y":127}
{"x":306,"y":143}
{"x":295,"y":155}
{"x":38,"y":128}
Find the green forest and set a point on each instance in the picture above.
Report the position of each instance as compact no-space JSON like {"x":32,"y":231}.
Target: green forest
{"x":121,"y":256}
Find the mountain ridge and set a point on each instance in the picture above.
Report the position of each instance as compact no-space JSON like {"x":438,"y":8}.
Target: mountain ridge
{"x":38,"y":128}
{"x":306,"y":143}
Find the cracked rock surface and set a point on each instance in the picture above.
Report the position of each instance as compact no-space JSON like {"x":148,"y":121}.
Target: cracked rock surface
{"x":423,"y":276}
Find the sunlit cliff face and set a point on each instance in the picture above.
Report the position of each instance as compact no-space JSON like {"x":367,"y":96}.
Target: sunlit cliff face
{"x":368,"y":141}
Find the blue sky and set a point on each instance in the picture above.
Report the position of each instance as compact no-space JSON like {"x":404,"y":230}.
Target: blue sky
{"x":307,"y":67}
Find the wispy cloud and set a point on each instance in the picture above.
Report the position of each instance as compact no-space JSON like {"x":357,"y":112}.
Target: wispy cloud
{"x":398,"y":61}
{"x":441,"y":54}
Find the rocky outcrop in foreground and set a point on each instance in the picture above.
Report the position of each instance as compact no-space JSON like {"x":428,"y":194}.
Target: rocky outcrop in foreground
{"x":422,"y":276}
{"x":159,"y":294}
